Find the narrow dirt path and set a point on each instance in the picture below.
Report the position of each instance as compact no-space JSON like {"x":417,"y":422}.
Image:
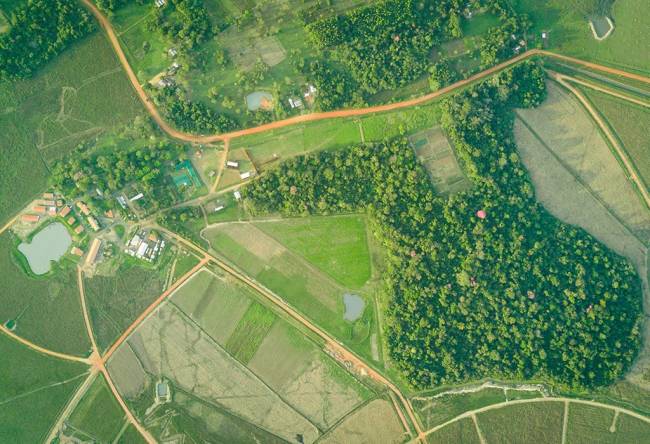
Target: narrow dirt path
{"x":565,"y":421}
{"x":43,"y":350}
{"x":9,"y":223}
{"x":222,"y":167}
{"x":332,"y":343}
{"x":602,"y":89}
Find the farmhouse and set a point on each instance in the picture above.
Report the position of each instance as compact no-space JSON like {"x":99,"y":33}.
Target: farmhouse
{"x":71,"y":220}
{"x":48,"y":196}
{"x":51,"y":211}
{"x":83,"y":208}
{"x":245,"y":175}
{"x":39,"y":209}
{"x":77,"y":251}
{"x":30,"y":218}
{"x":65,"y":211}
{"x":79,"y":229}
{"x":136,"y":197}
{"x":237,"y":195}
{"x":93,"y":223}
{"x":232,"y":164}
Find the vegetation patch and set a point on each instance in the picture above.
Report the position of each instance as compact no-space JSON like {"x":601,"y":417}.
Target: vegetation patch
{"x":461,"y":431}
{"x":436,"y":410}
{"x":539,"y":422}
{"x":35,"y":388}
{"x":588,"y":424}
{"x":250,"y":332}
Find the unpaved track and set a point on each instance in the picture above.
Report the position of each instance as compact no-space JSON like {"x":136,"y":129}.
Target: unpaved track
{"x":603,"y":90}
{"x":43,"y":350}
{"x":153,"y":111}
{"x":332,"y":343}
{"x":630,"y":170}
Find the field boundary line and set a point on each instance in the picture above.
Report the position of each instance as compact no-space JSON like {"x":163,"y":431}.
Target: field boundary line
{"x":481,"y":438}
{"x":72,"y":404}
{"x":500,"y":405}
{"x":565,"y":421}
{"x":43,"y":350}
{"x":628,"y":166}
{"x":222,"y":167}
{"x":84,"y":309}
{"x":579,"y":180}
{"x":601,"y":89}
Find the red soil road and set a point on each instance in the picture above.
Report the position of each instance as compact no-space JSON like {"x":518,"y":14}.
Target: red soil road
{"x":153,"y":111}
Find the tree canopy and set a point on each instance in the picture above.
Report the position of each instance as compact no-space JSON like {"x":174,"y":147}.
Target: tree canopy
{"x":484,"y":283}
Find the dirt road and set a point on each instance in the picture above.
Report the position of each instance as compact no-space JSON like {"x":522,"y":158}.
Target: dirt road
{"x":332,"y":343}
{"x":43,"y":350}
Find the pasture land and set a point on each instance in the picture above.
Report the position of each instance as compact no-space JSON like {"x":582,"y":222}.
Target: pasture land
{"x":588,"y":424}
{"x":631,"y":123}
{"x":336,"y":245}
{"x":577,"y":177}
{"x":569,"y":32}
{"x":375,"y":422}
{"x":115,"y":301}
{"x":185,"y":261}
{"x":79,"y":95}
{"x":434,"y":152}
{"x":34,"y":388}
{"x":538,"y":422}
{"x":98,"y":415}
{"x":296,"y":280}
{"x":461,"y":431}
{"x":630,"y":429}
{"x":131,"y":436}
{"x":436,"y":410}
{"x":45,"y":309}
{"x":272,"y":349}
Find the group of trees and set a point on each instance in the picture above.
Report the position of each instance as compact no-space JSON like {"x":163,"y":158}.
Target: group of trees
{"x":110,"y":6}
{"x":185,"y":22}
{"x":40,"y":29}
{"x":110,"y":171}
{"x":484,"y":283}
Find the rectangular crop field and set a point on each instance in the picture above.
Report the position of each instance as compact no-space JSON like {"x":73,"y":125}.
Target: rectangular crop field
{"x":47,"y":309}
{"x":538,"y":422}
{"x":34,"y":388}
{"x":437,"y":410}
{"x":250,"y":332}
{"x":461,"y":431}
{"x":589,"y":424}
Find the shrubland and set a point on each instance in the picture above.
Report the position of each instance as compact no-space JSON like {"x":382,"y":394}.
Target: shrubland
{"x":484,"y":283}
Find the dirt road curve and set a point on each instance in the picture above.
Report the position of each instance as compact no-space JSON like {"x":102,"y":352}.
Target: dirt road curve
{"x":43,"y":350}
{"x":332,"y":343}
{"x":153,"y":111}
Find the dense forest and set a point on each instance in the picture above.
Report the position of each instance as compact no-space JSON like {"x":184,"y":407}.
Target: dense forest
{"x":40,"y":29}
{"x":484,"y":283}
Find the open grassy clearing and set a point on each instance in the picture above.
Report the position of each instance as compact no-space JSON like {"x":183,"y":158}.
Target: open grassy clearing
{"x":632,"y":126}
{"x":170,"y":345}
{"x":276,"y":352}
{"x":115,"y":301}
{"x":375,"y":422}
{"x":185,"y":261}
{"x":98,"y":415}
{"x":461,"y":431}
{"x":336,"y":245}
{"x":79,"y":95}
{"x":34,"y":388}
{"x":570,"y":33}
{"x":540,"y":423}
{"x":572,"y":167}
{"x":46,"y":309}
{"x":293,"y":278}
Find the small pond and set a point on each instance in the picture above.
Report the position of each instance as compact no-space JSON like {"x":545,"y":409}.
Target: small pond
{"x":354,"y":306}
{"x":49,"y":244}
{"x":259,"y":99}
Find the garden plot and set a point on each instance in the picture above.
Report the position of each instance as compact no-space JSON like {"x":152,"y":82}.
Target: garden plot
{"x":434,"y":152}
{"x":172,"y":346}
{"x":375,"y":422}
{"x":246,"y":47}
{"x":566,"y":131}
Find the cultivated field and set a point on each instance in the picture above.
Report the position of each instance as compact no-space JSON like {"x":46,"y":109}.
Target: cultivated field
{"x":434,"y":152}
{"x":47,"y":309}
{"x":540,"y":423}
{"x":297,"y":280}
{"x":115,"y":301}
{"x":375,"y":422}
{"x":461,"y":431}
{"x":632,"y":126}
{"x":98,"y":416}
{"x":79,"y":95}
{"x":34,"y":389}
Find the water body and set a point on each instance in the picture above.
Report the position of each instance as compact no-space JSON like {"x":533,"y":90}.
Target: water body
{"x":49,"y":244}
{"x":354,"y":306}
{"x":259,"y":99}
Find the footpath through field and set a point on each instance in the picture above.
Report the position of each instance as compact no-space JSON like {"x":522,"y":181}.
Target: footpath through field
{"x":153,"y":111}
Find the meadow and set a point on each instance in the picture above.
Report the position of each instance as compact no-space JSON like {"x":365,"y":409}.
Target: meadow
{"x":569,"y":32}
{"x":115,"y":301}
{"x":46,"y":309}
{"x":539,"y":422}
{"x":98,"y":415}
{"x":631,"y":123}
{"x":461,"y":431}
{"x":34,"y":389}
{"x":79,"y":95}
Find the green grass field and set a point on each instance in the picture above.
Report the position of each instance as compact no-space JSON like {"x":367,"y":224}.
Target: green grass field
{"x":98,"y":414}
{"x":185,"y":261}
{"x":131,"y":436}
{"x":461,"y":431}
{"x":46,"y":309}
{"x":115,"y":301}
{"x":570,"y":33}
{"x":587,"y":424}
{"x":539,"y":422}
{"x":250,"y":332}
{"x":632,"y":125}
{"x":79,"y":95}
{"x":336,"y":245}
{"x":34,"y":388}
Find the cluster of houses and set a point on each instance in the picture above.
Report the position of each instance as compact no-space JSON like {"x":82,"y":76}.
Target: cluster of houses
{"x":309,"y":96}
{"x":47,"y":206}
{"x":145,"y":245}
{"x":168,"y":78}
{"x":243,"y":175}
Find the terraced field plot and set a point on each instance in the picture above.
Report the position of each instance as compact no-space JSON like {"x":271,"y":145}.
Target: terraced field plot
{"x":303,"y":280}
{"x":292,"y":387}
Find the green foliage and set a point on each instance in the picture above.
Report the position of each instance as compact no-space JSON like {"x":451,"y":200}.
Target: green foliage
{"x":441,"y":75}
{"x":98,"y":413}
{"x":40,"y":29}
{"x":186,"y":22}
{"x":250,"y":332}
{"x":515,"y":295}
{"x":110,"y":6}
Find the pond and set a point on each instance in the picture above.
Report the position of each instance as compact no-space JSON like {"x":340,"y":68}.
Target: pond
{"x":354,"y":306}
{"x":259,"y":99}
{"x":49,"y":244}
